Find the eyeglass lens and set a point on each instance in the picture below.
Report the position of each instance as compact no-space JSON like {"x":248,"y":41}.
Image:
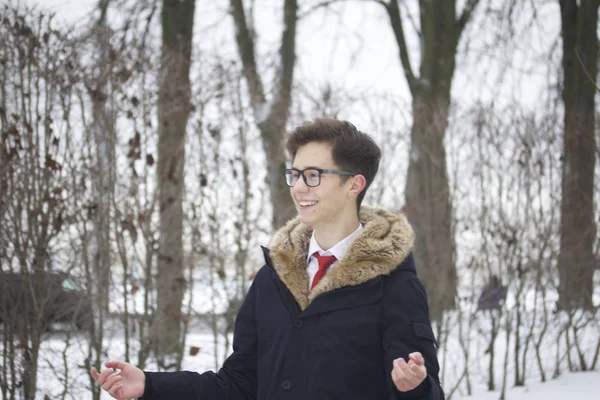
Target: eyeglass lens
{"x":312,"y":177}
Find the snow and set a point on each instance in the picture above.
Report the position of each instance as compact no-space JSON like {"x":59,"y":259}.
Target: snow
{"x":261,"y":112}
{"x":63,"y":353}
{"x":582,"y":385}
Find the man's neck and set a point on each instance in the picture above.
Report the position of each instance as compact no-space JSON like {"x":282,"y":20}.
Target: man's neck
{"x":329,"y":235}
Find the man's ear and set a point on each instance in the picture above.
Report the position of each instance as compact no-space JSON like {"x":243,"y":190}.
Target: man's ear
{"x":358,"y":185}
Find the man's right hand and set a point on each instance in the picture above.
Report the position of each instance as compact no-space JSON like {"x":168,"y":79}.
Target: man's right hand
{"x":127,"y":383}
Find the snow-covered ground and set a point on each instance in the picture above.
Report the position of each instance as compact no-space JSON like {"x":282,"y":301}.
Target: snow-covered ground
{"x":464,"y":341}
{"x":571,"y":386}
{"x":59,"y":355}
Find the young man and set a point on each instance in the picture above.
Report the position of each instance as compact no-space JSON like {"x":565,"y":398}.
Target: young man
{"x":337,"y":312}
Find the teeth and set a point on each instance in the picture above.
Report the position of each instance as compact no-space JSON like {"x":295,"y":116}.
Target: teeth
{"x":307,"y":203}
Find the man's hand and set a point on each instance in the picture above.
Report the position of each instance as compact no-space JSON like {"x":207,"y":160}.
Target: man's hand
{"x":128,"y":383}
{"x":407,"y":376}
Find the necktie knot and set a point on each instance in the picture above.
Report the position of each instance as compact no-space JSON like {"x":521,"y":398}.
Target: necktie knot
{"x":324,"y":263}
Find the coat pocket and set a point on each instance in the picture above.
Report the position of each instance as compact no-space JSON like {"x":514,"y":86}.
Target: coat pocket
{"x":423,"y":330}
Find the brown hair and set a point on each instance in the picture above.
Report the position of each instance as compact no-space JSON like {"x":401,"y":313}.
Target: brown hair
{"x":352,"y":149}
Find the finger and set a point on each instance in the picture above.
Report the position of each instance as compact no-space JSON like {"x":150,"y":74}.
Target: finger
{"x":94,"y":373}
{"x":399,"y":378}
{"x":397,"y":373}
{"x":110,"y":382}
{"x":405,"y":367}
{"x":115,"y":389}
{"x":403,"y":370}
{"x":116,"y":364}
{"x":413,"y":365}
{"x":417,"y":370}
{"x":104,"y":376}
{"x":417,"y":358}
{"x":421,"y":372}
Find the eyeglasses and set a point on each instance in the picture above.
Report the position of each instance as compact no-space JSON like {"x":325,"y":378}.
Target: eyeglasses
{"x":311,"y":176}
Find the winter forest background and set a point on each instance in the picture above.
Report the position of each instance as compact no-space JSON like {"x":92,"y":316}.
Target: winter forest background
{"x":141,"y":154}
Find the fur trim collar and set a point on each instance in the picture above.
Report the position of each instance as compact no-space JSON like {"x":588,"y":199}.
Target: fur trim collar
{"x":379,"y":249}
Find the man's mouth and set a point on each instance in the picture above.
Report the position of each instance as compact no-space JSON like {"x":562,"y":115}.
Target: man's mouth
{"x":305,"y":204}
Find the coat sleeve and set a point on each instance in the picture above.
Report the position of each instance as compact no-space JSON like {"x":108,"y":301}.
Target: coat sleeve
{"x":236,"y":380}
{"x":407,"y":328}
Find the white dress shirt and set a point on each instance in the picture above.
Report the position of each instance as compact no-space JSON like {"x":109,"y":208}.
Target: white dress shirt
{"x":338,"y":250}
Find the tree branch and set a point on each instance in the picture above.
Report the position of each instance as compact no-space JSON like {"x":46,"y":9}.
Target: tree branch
{"x":465,"y":16}
{"x":149,"y":19}
{"x":103,"y":8}
{"x":287,"y":54}
{"x":393,"y":11}
{"x":245,"y":42}
{"x":412,"y":21}
{"x":327,"y":3}
{"x":322,"y":4}
{"x":587,"y":73}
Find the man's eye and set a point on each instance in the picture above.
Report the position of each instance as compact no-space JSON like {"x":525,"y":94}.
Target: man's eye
{"x":312,"y":174}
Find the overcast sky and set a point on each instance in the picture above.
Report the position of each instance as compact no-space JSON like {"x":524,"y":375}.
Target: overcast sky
{"x":354,"y":49}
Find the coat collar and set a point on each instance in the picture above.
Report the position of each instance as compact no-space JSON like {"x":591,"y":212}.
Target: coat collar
{"x":379,"y":249}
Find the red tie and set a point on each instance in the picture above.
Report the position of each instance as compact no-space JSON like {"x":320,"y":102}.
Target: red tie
{"x":324,"y":263}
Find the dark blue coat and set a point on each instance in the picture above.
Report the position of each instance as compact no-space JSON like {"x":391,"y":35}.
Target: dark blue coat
{"x":337,"y":341}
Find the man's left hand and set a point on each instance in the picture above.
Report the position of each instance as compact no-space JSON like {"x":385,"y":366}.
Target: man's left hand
{"x":407,"y":376}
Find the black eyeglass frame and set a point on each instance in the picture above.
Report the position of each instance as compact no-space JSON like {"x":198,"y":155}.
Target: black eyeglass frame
{"x":321,"y":171}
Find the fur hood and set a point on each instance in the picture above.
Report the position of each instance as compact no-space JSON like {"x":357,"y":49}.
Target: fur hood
{"x":378,"y":249}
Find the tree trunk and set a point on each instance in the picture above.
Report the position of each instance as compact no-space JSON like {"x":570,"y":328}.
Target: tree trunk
{"x":271,"y":116}
{"x":173,"y":111}
{"x":4,"y":161}
{"x":577,"y":228}
{"x":36,"y":324}
{"x":273,"y":133}
{"x":104,"y":139}
{"x":428,"y":205}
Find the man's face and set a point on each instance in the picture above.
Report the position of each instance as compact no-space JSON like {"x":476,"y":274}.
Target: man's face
{"x":326,"y":203}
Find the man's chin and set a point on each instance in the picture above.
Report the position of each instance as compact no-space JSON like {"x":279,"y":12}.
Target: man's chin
{"x":305,"y":218}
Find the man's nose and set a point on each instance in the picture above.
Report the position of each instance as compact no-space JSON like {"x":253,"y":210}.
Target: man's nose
{"x":300,"y":185}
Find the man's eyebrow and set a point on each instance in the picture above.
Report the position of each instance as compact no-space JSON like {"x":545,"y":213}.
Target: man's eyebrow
{"x":309,"y":167}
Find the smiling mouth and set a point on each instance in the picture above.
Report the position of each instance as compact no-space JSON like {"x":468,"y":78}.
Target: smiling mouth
{"x":305,"y":204}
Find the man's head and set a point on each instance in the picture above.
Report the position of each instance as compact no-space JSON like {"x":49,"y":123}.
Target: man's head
{"x":352,"y":158}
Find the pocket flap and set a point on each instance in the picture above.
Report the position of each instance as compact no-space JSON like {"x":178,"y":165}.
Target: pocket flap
{"x":423,"y":330}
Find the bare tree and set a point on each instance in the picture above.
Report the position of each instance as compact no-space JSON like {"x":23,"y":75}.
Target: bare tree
{"x":271,"y":116}
{"x":576,"y":262}
{"x":428,"y":205}
{"x":35,"y":98}
{"x":135,"y":209}
{"x":103,"y":137}
{"x":173,"y":110}
{"x":221,"y":225}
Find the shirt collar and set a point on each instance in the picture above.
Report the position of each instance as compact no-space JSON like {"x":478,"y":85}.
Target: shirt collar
{"x":338,"y":250}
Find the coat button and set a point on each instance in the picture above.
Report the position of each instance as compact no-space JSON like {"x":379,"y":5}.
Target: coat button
{"x":298,"y":323}
{"x":286,"y":385}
